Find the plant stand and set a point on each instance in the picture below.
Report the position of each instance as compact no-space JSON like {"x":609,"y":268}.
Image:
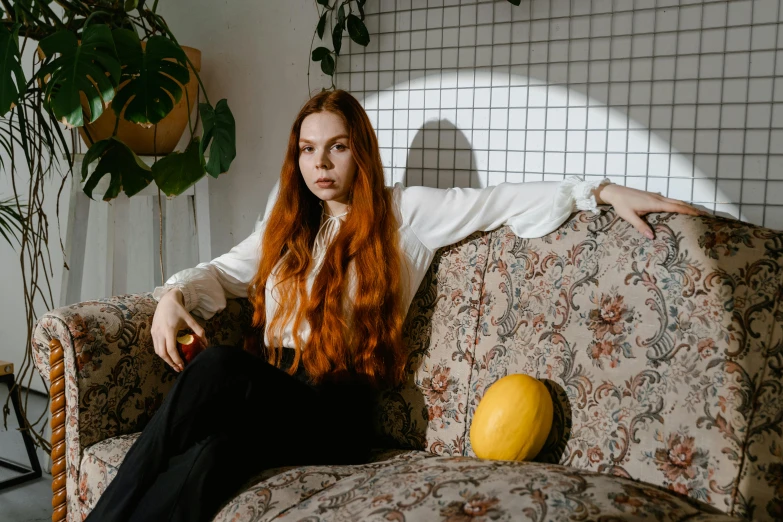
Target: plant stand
{"x":27,"y":473}
{"x":112,"y":248}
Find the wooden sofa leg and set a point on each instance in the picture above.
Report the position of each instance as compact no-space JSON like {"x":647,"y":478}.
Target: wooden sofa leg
{"x":57,"y":410}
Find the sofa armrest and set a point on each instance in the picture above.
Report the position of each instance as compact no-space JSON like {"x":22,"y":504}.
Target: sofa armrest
{"x":105,"y":377}
{"x":114,"y":381}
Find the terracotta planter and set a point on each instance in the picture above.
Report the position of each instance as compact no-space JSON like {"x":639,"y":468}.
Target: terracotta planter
{"x":140,"y":138}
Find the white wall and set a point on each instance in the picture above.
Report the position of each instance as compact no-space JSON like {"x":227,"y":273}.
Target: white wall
{"x":12,"y":309}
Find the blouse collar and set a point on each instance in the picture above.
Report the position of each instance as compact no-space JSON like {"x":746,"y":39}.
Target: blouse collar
{"x":326,"y":233}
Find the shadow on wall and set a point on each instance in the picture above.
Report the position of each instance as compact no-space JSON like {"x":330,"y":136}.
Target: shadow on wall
{"x":524,"y":130}
{"x":441,"y":156}
{"x":533,"y":97}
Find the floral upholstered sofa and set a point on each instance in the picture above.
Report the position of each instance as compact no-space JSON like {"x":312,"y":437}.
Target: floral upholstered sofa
{"x":664,"y":357}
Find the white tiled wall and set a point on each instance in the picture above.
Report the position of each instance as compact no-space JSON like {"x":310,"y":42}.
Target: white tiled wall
{"x":679,"y":97}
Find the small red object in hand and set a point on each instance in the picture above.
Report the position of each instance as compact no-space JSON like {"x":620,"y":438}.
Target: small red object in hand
{"x":189,"y":346}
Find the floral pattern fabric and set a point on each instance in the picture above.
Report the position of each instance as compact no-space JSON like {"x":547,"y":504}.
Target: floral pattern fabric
{"x":664,"y":359}
{"x":660,"y":347}
{"x":655,"y":353}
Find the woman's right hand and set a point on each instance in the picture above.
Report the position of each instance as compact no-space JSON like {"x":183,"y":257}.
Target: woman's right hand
{"x":171,"y":317}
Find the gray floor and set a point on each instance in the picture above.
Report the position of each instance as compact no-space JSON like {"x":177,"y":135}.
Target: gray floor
{"x":31,"y":501}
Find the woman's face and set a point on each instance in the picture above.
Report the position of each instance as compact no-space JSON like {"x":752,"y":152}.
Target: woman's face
{"x":324,"y":155}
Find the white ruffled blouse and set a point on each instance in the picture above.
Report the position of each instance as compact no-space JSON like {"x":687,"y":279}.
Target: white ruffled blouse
{"x":429,"y":218}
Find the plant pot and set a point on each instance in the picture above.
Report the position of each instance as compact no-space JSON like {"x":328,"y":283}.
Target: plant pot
{"x":140,"y":137}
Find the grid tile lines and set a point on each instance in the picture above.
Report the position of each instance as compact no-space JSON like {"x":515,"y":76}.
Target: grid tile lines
{"x":682,"y":97}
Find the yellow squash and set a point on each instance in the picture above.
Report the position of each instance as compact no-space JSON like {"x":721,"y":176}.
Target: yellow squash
{"x":512,"y":420}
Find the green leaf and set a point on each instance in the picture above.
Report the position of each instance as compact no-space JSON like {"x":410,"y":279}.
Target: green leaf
{"x":341,"y":15}
{"x":10,"y":66}
{"x":337,"y":38}
{"x":128,"y":172}
{"x":360,"y":7}
{"x":327,"y":65}
{"x":179,"y":170}
{"x":319,"y":53}
{"x":80,"y":68}
{"x":515,"y":2}
{"x":357,"y":30}
{"x":218,"y":125}
{"x":324,"y":3}
{"x":322,"y":25}
{"x":149,"y":73}
{"x":94,"y":152}
{"x":130,"y":5}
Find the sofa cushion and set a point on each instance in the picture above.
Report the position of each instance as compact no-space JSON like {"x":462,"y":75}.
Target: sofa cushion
{"x":102,"y":460}
{"x":99,"y":467}
{"x":419,"y":486}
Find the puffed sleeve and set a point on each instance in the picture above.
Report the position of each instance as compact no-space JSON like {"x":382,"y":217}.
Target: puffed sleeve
{"x":441,"y":217}
{"x":206,"y":287}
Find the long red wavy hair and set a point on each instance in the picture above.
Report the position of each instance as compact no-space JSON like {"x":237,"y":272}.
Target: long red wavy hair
{"x":370,"y":348}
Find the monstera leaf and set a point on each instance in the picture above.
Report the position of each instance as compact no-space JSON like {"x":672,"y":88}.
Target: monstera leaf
{"x":179,"y":170}
{"x":80,"y":67}
{"x":150,"y":71}
{"x":10,"y":65}
{"x":128,"y":172}
{"x":218,"y":126}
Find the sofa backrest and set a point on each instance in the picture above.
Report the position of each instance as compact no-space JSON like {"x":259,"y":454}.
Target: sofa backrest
{"x":664,"y":357}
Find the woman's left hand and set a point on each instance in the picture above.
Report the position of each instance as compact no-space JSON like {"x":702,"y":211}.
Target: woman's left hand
{"x":631,"y":203}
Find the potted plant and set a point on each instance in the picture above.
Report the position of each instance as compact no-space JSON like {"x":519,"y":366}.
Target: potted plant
{"x":114,"y":71}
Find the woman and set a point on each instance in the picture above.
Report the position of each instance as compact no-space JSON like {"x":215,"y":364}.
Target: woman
{"x":353,"y":252}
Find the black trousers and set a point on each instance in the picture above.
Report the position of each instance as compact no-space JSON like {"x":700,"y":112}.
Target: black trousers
{"x":229,"y":416}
